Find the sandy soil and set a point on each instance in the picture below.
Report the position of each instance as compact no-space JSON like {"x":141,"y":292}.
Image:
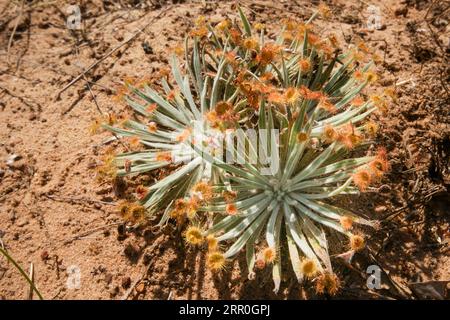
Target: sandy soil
{"x":55,"y":215}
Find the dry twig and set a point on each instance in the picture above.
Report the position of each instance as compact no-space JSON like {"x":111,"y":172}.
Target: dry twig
{"x":10,"y":41}
{"x":91,"y":231}
{"x":74,"y":199}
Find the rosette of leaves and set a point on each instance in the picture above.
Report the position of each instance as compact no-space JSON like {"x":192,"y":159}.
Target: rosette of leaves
{"x":313,"y":96}
{"x":165,"y":124}
{"x":291,"y":201}
{"x":300,"y":85}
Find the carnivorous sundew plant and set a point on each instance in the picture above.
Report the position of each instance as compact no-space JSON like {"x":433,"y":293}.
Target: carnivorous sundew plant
{"x":306,"y":103}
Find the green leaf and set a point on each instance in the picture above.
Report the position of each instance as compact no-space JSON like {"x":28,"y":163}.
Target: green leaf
{"x":293,"y":254}
{"x":310,"y":169}
{"x":239,"y":244}
{"x":170,"y":179}
{"x":293,"y":226}
{"x":247,"y":27}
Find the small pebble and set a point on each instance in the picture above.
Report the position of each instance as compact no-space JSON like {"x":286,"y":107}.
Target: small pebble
{"x":140,"y":288}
